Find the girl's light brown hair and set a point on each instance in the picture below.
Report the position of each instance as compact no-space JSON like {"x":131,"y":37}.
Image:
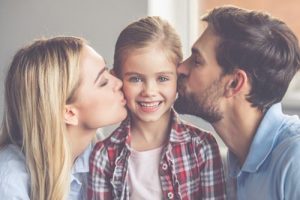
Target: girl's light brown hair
{"x":151,"y":30}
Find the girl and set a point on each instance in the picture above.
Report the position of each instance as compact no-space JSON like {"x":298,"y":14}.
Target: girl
{"x":57,"y":92}
{"x":153,"y":154}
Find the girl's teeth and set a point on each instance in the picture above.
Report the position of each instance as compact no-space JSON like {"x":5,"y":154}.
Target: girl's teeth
{"x":149,"y":104}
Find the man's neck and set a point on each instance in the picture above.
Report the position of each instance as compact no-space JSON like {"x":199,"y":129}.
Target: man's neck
{"x":237,"y":129}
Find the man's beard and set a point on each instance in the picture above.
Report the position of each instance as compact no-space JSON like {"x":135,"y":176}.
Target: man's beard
{"x":204,"y":106}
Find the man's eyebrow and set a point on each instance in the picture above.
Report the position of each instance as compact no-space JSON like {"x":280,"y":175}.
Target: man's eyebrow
{"x":195,"y":51}
{"x":99,"y":74}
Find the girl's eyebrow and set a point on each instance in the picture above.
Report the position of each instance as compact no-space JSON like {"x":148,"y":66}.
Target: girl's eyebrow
{"x":132,"y":73}
{"x":139,"y":74}
{"x":99,"y":74}
{"x":166,"y":72}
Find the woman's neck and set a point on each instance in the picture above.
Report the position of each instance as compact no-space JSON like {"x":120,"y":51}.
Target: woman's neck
{"x":79,"y":140}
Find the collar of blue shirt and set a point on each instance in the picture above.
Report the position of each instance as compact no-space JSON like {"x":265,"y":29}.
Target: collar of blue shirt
{"x":262,"y":144}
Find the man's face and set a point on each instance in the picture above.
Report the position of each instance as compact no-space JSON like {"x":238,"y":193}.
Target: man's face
{"x":200,"y":84}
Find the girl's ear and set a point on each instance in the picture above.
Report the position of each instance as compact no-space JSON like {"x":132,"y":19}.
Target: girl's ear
{"x":71,"y":115}
{"x":236,"y":83}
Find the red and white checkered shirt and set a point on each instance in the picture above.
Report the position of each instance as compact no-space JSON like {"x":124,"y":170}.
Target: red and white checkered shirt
{"x":190,"y":166}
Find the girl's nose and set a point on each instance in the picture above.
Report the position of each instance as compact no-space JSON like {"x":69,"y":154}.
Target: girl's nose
{"x":149,"y":88}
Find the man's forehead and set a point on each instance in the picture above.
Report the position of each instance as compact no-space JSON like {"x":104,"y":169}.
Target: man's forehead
{"x":208,"y":36}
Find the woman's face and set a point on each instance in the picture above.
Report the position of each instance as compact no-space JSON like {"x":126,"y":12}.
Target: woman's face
{"x":99,"y":100}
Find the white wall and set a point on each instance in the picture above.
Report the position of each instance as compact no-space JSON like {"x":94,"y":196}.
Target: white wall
{"x":99,"y":21}
{"x":183,"y":15}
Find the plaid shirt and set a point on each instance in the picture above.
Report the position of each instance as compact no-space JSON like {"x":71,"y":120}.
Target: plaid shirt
{"x":190,"y":166}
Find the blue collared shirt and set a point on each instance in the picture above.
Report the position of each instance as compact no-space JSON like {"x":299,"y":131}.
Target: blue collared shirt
{"x":15,"y":180}
{"x":271,"y":170}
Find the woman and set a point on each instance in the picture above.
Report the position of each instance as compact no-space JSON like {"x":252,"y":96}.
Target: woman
{"x":58,"y":92}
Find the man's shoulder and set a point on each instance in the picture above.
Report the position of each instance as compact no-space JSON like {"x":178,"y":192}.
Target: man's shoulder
{"x":288,"y":140}
{"x":288,"y":147}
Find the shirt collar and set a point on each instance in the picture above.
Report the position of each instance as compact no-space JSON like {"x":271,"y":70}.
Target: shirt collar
{"x":179,"y":132}
{"x":81,"y":164}
{"x":263,"y":142}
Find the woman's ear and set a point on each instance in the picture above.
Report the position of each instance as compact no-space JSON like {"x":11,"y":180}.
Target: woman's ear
{"x":236,"y":83}
{"x":71,"y":115}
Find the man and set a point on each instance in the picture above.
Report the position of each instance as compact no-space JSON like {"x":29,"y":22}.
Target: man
{"x":236,"y":77}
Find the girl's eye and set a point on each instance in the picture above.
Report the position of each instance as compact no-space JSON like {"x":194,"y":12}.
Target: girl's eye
{"x":103,"y":82}
{"x":163,"y":78}
{"x":135,"y":79}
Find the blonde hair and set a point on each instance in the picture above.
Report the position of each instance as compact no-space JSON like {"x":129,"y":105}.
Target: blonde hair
{"x":145,"y":32}
{"x":41,"y":80}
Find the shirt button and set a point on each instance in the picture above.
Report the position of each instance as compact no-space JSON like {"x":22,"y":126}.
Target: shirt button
{"x":170,"y":195}
{"x":164,"y":166}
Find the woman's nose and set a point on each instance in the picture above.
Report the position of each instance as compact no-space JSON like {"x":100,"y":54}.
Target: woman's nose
{"x":117,"y":83}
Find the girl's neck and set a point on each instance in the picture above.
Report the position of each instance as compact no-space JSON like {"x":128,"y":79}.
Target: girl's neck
{"x":149,"y":135}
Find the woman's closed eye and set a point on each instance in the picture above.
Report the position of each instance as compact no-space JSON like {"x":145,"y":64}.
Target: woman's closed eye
{"x":103,"y":82}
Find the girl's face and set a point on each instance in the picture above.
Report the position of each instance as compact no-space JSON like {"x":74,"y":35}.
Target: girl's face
{"x":149,"y":83}
{"x":99,"y":99}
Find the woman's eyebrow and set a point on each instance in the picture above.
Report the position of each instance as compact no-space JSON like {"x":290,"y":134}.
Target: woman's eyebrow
{"x":99,"y":74}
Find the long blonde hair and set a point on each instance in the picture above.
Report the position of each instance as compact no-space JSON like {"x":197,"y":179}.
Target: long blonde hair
{"x":41,"y":80}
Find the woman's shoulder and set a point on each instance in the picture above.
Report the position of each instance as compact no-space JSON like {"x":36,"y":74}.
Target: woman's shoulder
{"x":11,"y":152}
{"x":12,"y":171}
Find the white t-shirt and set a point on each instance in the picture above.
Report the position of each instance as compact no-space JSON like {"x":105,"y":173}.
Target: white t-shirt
{"x":143,"y":174}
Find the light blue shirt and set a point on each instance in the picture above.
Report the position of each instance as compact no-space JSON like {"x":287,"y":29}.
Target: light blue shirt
{"x":15,"y":180}
{"x":272,"y":168}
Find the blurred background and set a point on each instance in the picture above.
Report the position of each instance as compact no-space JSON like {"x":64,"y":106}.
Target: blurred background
{"x":100,"y":22}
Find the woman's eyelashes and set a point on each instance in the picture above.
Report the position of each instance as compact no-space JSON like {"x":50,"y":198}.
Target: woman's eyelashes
{"x":103,"y":82}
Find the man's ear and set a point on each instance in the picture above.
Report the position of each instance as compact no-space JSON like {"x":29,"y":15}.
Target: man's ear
{"x":236,"y":83}
{"x":71,"y":115}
